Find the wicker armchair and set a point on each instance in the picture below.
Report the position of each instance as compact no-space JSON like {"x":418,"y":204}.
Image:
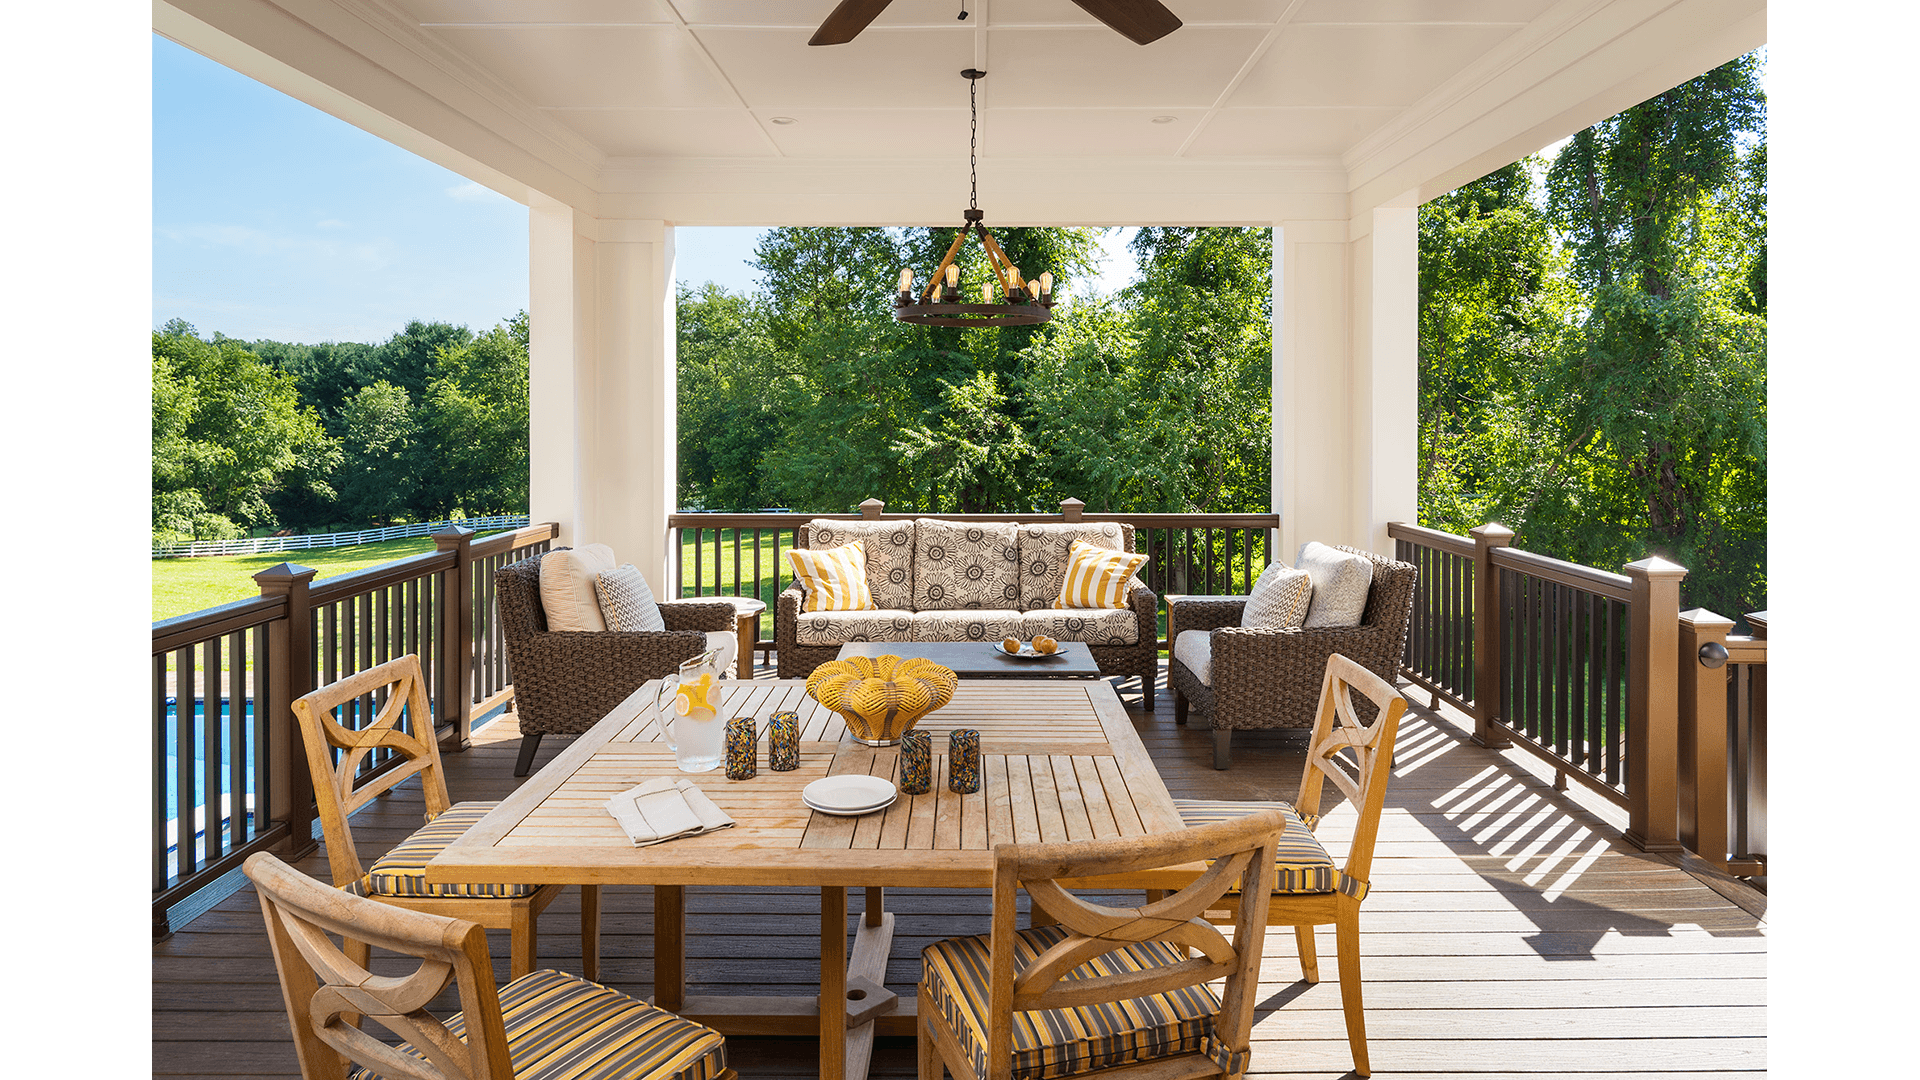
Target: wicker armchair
{"x":1271,"y":678}
{"x":565,"y":682}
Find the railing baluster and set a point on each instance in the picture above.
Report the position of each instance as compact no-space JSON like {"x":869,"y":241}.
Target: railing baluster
{"x":186,"y":726}
{"x":736,"y":562}
{"x":237,"y":724}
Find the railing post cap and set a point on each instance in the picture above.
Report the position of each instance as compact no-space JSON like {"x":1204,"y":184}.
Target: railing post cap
{"x":872,"y":508}
{"x":1653,"y":566}
{"x":1704,"y":621}
{"x":284,"y":575}
{"x":452,"y":536}
{"x":1492,"y":532}
{"x":1071,"y":508}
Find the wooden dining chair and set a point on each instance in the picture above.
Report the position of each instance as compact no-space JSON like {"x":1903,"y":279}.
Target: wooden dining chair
{"x":1309,"y":890}
{"x":1104,"y":991}
{"x":397,"y":690}
{"x":544,"y":1023}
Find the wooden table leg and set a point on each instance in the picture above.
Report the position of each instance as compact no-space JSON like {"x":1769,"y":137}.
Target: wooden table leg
{"x":833,"y":983}
{"x":670,"y":947}
{"x":747,"y":629}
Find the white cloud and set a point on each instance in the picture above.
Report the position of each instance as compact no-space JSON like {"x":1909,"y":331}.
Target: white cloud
{"x":475,"y":192}
{"x":330,"y":223}
{"x":364,"y":255}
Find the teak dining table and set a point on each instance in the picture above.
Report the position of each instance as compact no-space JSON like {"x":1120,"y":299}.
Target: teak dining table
{"x":1060,"y":761}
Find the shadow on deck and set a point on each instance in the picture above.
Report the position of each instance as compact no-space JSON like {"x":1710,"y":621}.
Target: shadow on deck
{"x":1509,"y":932}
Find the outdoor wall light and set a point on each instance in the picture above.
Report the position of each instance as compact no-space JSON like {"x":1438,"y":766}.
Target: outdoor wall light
{"x":1008,"y":300}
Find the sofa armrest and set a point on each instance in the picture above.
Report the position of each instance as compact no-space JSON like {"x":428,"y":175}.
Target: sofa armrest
{"x":697,"y":615}
{"x":1146,"y":605}
{"x":1205,"y":612}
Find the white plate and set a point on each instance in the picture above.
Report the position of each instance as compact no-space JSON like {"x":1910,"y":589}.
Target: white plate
{"x":848,"y":794}
{"x":851,"y":813}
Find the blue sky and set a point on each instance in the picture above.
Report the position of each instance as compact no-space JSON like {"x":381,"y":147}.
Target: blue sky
{"x":272,"y":219}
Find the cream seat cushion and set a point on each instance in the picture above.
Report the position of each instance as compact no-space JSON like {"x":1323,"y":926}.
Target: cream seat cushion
{"x":1194,"y":648}
{"x":567,"y":593}
{"x":972,"y":624}
{"x":1095,"y":626}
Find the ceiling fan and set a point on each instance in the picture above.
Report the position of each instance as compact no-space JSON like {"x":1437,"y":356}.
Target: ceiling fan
{"x":1143,"y":21}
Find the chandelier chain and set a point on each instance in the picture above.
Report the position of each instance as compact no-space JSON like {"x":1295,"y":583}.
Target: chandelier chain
{"x":973,"y":143}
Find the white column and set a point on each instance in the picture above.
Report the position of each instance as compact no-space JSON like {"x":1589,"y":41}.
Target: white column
{"x":603,"y":383}
{"x":560,"y":329}
{"x":1312,"y":468}
{"x":1345,"y":378}
{"x":1386,"y":390}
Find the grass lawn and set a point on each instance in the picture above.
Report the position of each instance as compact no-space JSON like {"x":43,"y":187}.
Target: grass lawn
{"x":181,"y":586}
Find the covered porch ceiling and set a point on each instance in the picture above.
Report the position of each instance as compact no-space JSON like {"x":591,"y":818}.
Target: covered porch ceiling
{"x":705,"y":112}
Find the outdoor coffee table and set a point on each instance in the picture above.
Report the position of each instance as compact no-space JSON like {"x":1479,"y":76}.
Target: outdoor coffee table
{"x":1059,"y":761}
{"x":984,"y":660}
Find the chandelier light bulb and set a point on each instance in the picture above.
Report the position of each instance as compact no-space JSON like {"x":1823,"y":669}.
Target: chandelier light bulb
{"x":906,"y":279}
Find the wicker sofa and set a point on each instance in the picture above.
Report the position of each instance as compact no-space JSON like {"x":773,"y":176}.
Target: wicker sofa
{"x":937,"y":580}
{"x":564,"y":682}
{"x":1270,"y":678}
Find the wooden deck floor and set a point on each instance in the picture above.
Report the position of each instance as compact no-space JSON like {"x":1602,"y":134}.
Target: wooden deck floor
{"x":1510,"y":932}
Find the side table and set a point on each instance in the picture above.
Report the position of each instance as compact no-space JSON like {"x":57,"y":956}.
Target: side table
{"x":746,"y":625}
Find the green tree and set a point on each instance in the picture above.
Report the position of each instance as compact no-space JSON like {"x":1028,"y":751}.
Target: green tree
{"x":227,"y":429}
{"x":727,"y":413}
{"x":473,"y":426}
{"x":380,"y":477}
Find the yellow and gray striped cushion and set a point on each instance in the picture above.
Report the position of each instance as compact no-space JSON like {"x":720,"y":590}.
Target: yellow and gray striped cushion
{"x":1097,"y":577}
{"x":1053,"y":1043}
{"x":402,"y":871}
{"x":834,"y":579}
{"x":562,"y":1027}
{"x":1302,"y":864}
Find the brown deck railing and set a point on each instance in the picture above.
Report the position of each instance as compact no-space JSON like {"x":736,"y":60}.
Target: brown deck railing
{"x":230,"y":775}
{"x":743,"y":554}
{"x":1600,"y":675}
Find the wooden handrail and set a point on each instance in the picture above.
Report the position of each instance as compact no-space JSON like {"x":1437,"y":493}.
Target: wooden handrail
{"x":1599,"y":582}
{"x":1443,"y":541}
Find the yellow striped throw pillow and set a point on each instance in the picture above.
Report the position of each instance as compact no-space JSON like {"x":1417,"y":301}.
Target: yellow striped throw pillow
{"x":1097,"y":577}
{"x":835,"y":579}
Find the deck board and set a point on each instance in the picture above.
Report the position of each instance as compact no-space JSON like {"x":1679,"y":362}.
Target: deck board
{"x":1510,"y":933}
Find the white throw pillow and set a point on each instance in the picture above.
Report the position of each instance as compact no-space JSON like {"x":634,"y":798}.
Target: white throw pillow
{"x":626,"y":603}
{"x":1279,"y":599}
{"x":566,"y":586}
{"x":1340,"y":584}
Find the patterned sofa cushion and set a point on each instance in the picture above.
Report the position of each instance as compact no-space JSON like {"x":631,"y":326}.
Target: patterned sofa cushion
{"x":962,"y":565}
{"x":973,"y":624}
{"x":840,"y":627}
{"x":1044,"y":551}
{"x":1095,"y":626}
{"x":889,"y":550}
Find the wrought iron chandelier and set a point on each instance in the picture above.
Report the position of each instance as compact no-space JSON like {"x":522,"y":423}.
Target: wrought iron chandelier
{"x":1008,"y":300}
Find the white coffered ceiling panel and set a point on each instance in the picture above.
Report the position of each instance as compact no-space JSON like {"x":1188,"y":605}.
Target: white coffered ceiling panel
{"x":1093,"y":67}
{"x":776,"y":69}
{"x":596,"y":67}
{"x":1082,"y":132}
{"x":869,"y":133}
{"x":1355,"y":65}
{"x":539,"y":12}
{"x":656,"y":133}
{"x":1308,"y":132}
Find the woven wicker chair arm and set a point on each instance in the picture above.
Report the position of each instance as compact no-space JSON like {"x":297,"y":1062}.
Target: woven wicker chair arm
{"x":692,"y":615}
{"x":1205,"y":612}
{"x":593,"y":655}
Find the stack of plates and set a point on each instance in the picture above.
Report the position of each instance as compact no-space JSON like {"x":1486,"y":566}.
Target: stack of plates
{"x":849,"y":796}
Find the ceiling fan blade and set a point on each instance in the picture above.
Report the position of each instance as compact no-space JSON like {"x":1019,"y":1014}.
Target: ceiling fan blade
{"x":847,"y":20}
{"x":1143,"y":21}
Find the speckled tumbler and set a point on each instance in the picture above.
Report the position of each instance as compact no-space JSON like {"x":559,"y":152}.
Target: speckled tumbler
{"x":916,"y":763}
{"x":741,"y":745}
{"x":963,"y":761}
{"x":783,"y":742}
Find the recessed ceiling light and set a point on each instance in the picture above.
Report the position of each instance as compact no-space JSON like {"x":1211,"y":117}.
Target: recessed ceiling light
{"x":1165,"y":119}
{"x":784,"y":120}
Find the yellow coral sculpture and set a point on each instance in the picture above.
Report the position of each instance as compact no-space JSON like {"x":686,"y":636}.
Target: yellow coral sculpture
{"x":882,"y":697}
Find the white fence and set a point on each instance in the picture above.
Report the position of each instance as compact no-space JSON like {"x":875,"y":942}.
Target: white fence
{"x":261,"y":544}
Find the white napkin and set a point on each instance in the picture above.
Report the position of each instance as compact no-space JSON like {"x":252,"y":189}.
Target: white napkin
{"x":664,"y":809}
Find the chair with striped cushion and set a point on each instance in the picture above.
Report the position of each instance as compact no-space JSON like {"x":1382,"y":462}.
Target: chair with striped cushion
{"x":545,"y":1025}
{"x":1309,"y":890}
{"x":381,"y":698}
{"x":1106,"y":991}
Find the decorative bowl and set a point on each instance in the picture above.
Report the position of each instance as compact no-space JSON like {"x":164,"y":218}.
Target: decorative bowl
{"x":882,"y":697}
